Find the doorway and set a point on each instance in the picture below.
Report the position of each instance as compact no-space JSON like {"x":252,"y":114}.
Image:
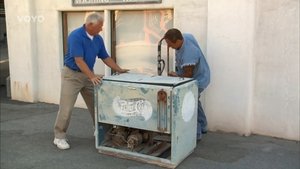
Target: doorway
{"x":4,"y":59}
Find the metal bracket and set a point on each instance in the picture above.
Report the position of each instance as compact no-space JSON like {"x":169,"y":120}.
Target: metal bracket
{"x":162,"y":118}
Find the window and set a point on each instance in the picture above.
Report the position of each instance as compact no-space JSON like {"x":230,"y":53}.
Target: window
{"x":135,"y":38}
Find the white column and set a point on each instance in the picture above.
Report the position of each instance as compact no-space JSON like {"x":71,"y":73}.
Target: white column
{"x":21,"y":35}
{"x":107,"y":37}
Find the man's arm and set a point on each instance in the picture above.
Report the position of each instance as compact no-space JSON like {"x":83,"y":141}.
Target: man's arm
{"x":86,"y":70}
{"x":112,"y":64}
{"x":187,"y":72}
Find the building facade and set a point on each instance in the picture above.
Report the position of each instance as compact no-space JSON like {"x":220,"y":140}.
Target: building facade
{"x":252,"y":47}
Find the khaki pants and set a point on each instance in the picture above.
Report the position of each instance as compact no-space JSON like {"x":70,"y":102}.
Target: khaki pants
{"x":72,"y":83}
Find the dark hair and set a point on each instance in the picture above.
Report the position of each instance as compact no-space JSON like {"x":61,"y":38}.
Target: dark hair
{"x":173,"y":35}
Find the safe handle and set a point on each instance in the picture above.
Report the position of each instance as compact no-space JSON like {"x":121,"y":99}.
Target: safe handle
{"x":162,"y":119}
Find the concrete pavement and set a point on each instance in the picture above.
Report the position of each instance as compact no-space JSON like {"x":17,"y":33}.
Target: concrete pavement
{"x":27,"y":135}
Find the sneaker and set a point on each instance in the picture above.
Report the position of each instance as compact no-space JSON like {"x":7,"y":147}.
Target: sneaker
{"x":61,"y":143}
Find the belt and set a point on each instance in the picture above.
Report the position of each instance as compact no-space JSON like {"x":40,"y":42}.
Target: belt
{"x":75,"y":70}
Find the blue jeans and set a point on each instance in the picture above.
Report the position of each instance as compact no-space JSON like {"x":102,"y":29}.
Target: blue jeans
{"x":201,"y":120}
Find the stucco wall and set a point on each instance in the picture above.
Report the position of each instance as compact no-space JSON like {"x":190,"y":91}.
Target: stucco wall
{"x":21,"y":39}
{"x":230,"y":52}
{"x":276,"y":57}
{"x":251,"y":46}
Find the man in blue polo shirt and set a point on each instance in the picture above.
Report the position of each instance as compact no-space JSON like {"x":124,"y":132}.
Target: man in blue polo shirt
{"x":190,"y":62}
{"x":84,"y":45}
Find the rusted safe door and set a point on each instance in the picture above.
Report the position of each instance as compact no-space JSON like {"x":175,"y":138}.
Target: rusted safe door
{"x":146,"y":118}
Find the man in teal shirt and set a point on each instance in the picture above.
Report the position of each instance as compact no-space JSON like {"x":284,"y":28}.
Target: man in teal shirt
{"x":190,"y":62}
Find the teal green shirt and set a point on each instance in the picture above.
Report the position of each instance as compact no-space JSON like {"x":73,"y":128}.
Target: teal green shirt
{"x":191,"y":54}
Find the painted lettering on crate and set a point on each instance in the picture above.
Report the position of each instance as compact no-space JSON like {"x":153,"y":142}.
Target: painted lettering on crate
{"x":132,"y":107}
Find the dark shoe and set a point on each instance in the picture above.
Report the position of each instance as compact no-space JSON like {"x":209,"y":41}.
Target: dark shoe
{"x":199,"y":137}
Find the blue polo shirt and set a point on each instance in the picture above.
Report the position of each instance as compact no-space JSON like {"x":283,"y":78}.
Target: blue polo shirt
{"x":191,"y":54}
{"x":80,"y":45}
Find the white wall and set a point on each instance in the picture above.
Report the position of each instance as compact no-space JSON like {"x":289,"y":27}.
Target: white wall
{"x":229,"y":53}
{"x":276,"y":56}
{"x":251,"y":46}
{"x":21,"y":39}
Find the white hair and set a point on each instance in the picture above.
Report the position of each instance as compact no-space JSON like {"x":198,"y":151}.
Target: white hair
{"x":93,"y":17}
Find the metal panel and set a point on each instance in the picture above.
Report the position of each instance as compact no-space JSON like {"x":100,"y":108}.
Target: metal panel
{"x":133,"y":105}
{"x":184,"y":121}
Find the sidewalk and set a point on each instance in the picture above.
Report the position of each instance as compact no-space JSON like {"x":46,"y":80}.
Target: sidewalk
{"x":26,"y":143}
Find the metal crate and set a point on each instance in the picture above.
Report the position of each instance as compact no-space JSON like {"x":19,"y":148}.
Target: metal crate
{"x":152,"y":119}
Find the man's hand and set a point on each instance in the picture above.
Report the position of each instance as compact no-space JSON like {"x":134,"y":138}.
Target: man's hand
{"x":96,"y":79}
{"x":112,"y":64}
{"x":123,"y":71}
{"x":172,"y":74}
